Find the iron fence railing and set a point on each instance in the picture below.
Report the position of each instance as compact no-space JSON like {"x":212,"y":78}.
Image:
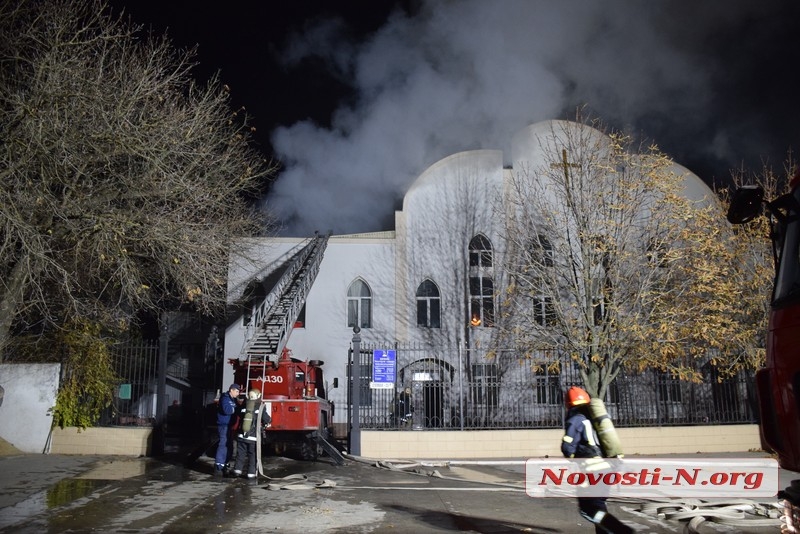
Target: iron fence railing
{"x":134,"y":403}
{"x":455,"y":389}
{"x":450,"y":388}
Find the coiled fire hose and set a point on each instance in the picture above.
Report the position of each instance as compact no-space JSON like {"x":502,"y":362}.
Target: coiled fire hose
{"x":291,"y":482}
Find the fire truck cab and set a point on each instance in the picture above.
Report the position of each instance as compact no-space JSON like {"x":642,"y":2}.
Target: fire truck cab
{"x":778,"y":382}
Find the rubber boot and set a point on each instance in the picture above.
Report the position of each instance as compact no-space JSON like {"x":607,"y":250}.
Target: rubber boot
{"x":614,"y":525}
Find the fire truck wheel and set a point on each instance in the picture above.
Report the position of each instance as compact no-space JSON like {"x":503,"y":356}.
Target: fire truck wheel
{"x":308,"y":451}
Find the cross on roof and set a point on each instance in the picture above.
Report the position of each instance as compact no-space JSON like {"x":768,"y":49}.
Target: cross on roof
{"x":565,"y":164}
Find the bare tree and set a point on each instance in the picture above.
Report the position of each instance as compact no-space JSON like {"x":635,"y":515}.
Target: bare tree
{"x":609,"y":254}
{"x":122,"y":181}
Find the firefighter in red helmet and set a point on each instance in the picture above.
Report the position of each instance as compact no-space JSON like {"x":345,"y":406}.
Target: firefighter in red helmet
{"x":580,"y":441}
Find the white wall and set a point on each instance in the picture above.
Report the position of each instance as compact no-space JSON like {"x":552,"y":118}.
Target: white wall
{"x":450,"y":203}
{"x":29,"y":393}
{"x":326,"y":335}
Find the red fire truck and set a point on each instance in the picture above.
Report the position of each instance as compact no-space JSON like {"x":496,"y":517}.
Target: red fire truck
{"x":778,"y":383}
{"x":293,"y":395}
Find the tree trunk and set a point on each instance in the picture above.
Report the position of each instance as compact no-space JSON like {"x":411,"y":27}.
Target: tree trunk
{"x":13,"y":290}
{"x":591,"y":379}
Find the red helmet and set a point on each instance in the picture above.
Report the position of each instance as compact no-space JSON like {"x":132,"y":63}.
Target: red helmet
{"x":576,"y":396}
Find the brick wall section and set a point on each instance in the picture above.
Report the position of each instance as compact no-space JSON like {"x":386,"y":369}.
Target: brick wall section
{"x":487,"y":444}
{"x":101,"y":441}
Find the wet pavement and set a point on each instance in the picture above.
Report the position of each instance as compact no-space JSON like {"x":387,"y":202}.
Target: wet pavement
{"x":54,"y":493}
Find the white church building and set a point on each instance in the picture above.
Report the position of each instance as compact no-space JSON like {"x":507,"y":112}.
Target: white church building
{"x":430,"y":284}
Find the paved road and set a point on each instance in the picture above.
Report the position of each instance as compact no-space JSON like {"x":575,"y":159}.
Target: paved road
{"x":52,"y":493}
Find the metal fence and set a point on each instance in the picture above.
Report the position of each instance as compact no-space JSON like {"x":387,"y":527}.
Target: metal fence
{"x":134,"y":404}
{"x":460,"y":389}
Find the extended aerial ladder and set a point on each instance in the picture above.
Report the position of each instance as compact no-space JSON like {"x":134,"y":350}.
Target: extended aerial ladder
{"x":275,"y":317}
{"x":292,"y":391}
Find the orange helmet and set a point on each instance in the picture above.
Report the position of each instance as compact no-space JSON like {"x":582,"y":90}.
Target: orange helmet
{"x":576,"y":396}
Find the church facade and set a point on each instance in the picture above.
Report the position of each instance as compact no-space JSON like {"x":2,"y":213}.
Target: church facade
{"x":431,"y":286}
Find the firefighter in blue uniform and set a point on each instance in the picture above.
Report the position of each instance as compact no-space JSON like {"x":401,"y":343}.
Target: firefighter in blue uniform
{"x":225,"y":419}
{"x":580,"y":441}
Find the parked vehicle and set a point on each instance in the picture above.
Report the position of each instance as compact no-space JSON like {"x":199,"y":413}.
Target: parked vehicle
{"x":778,"y":382}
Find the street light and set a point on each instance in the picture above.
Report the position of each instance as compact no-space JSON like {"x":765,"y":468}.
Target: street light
{"x":355,"y":394}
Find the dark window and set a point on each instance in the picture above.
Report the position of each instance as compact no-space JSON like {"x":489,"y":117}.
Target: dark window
{"x":481,"y":291}
{"x":428,"y":305}
{"x":364,"y":379}
{"x":541,"y":251}
{"x":485,"y":384}
{"x":613,"y":395}
{"x":359,"y":305}
{"x":599,"y":308}
{"x":543,"y":311}
{"x":480,"y":252}
{"x":669,"y":387}
{"x":548,"y":386}
{"x":300,"y":322}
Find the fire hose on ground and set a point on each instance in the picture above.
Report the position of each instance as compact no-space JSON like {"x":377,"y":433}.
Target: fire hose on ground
{"x":739,"y":513}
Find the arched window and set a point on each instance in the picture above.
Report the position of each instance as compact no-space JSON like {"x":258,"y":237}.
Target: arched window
{"x":428,"y":305}
{"x":359,"y":305}
{"x":480,"y":252}
{"x":481,"y":285}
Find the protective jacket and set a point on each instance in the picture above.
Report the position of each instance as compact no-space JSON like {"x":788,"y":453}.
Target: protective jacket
{"x":226,"y":408}
{"x":580,"y":439}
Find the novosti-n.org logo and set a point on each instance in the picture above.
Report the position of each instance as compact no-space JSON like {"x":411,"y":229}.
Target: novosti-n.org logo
{"x":651,"y":477}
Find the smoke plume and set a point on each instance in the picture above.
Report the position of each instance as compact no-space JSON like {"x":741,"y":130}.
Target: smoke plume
{"x":703,"y":80}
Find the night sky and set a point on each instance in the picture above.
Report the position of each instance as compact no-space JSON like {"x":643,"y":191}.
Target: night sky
{"x":356,"y":99}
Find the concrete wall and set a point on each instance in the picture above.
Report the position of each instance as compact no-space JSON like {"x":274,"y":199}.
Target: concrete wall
{"x":135,"y":441}
{"x":452,"y":445}
{"x":483,"y":444}
{"x":28,"y":395}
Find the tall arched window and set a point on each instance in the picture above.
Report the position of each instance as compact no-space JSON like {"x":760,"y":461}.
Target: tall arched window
{"x":359,"y":305}
{"x":481,"y":284}
{"x":480,"y":252}
{"x":428,"y":305}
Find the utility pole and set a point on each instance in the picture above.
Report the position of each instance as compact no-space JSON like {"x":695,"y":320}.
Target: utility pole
{"x":355,"y":394}
{"x":159,"y":436}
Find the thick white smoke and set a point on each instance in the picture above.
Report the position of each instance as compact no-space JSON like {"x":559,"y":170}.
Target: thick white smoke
{"x":460,"y":75}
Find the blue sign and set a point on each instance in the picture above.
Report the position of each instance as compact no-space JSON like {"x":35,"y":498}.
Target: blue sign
{"x":384,"y":369}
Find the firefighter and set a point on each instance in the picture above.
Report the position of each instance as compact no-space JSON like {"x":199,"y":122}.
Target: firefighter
{"x":225,"y":419}
{"x":580,"y":441}
{"x":248,"y":435}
